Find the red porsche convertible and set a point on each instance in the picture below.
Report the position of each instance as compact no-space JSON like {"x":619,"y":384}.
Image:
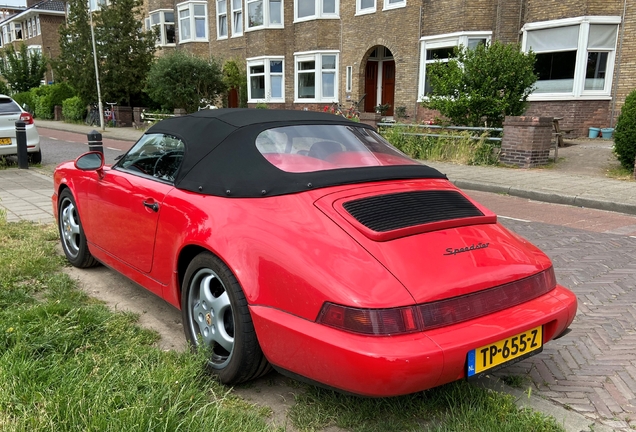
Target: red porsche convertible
{"x":305,"y":242}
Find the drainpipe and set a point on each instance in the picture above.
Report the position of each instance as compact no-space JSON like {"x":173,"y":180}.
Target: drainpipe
{"x":618,"y":65}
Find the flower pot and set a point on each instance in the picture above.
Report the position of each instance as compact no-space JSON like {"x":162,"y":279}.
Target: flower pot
{"x":593,"y":133}
{"x":607,"y":133}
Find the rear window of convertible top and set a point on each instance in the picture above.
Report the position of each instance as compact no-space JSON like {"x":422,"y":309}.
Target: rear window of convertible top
{"x":311,"y":148}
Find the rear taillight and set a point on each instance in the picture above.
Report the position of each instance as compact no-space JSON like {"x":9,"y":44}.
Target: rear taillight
{"x":384,"y":322}
{"x":26,"y":118}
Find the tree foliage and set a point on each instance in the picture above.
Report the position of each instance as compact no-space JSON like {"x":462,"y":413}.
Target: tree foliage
{"x":23,"y":70}
{"x":235,"y":77}
{"x":124,"y":51}
{"x":182,"y":80}
{"x":127,"y":51}
{"x":482,"y":85}
{"x":625,"y":133}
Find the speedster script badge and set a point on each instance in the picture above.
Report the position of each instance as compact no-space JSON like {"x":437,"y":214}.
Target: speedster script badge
{"x":473,"y":247}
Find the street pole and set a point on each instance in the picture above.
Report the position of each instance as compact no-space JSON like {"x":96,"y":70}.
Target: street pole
{"x":99,"y":91}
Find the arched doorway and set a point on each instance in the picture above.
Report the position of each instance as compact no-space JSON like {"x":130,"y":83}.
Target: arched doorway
{"x":379,"y":82}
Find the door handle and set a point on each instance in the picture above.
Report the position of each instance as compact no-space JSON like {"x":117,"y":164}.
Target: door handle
{"x":152,"y":206}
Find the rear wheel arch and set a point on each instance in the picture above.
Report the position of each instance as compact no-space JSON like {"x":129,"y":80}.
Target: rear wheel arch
{"x":216,"y":316}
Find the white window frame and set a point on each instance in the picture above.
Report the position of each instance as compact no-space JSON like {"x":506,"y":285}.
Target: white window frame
{"x":189,"y":6}
{"x":266,"y":15}
{"x":443,"y":41}
{"x":96,"y":5}
{"x":237,"y":14}
{"x":6,"y":33}
{"x":14,"y":30}
{"x":369,"y":10}
{"x":222,"y":15}
{"x":349,"y":79}
{"x":578,"y":92}
{"x":163,"y":38}
{"x":265,"y":62}
{"x":37,"y":24}
{"x":316,"y":56}
{"x":319,"y":12}
{"x":396,"y":5}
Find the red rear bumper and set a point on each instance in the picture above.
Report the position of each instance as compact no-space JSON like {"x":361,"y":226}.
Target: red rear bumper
{"x":396,"y":365}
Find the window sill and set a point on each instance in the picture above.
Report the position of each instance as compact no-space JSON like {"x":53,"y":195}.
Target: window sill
{"x":315,"y":18}
{"x":194,"y":41}
{"x":547,"y":97}
{"x":365,"y":12}
{"x":391,"y":7}
{"x":270,"y":27}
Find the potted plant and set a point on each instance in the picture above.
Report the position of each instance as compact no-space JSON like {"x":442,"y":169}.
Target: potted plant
{"x":382,"y":108}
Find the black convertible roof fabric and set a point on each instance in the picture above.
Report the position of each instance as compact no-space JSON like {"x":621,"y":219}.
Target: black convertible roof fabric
{"x":221,"y":157}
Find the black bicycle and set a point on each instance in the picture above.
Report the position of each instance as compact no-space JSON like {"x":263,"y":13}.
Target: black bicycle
{"x":92,"y":118}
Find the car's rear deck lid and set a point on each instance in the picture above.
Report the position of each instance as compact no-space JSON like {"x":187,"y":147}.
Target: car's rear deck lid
{"x":388,"y":214}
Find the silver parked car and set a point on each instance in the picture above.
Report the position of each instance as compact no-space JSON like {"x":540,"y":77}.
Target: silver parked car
{"x":11,"y":112}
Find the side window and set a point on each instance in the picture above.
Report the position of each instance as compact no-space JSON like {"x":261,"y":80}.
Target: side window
{"x":154,"y":155}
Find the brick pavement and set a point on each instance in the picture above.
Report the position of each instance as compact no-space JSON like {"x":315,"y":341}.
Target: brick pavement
{"x":26,"y":195}
{"x":592,"y":370}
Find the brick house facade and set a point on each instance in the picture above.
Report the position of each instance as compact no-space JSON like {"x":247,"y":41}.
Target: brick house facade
{"x":308,"y":54}
{"x":37,"y":27}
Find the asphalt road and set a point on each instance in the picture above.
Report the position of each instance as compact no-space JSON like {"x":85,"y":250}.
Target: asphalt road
{"x":59,"y":146}
{"x":592,"y":370}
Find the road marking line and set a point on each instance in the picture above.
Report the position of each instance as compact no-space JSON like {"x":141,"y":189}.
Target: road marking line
{"x":514,"y":219}
{"x":113,"y":148}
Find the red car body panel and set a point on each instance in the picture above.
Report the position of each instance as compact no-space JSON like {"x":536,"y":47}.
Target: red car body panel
{"x":397,"y":365}
{"x":293,"y":253}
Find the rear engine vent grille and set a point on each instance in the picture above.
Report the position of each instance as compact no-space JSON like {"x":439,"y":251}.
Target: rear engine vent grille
{"x":401,"y":210}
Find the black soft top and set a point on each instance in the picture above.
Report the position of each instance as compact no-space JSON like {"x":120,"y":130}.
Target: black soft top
{"x":221,"y":157}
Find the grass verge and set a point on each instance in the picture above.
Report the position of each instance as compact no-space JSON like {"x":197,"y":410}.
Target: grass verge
{"x":68,"y":363}
{"x":456,"y":407}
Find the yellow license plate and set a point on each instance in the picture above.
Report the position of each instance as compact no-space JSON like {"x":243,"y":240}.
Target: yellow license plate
{"x":513,"y":348}
{"x":5,"y":141}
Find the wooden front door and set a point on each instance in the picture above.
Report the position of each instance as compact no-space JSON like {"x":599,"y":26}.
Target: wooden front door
{"x":388,"y":85}
{"x":370,"y":86}
{"x":233,"y":98}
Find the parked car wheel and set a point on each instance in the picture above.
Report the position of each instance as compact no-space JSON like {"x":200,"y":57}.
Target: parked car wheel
{"x":216,"y":317}
{"x":72,"y":233}
{"x":35,"y":157}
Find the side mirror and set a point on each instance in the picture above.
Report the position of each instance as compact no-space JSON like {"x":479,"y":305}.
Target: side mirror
{"x":91,"y":161}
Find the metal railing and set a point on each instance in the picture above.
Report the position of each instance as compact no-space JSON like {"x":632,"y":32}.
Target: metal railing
{"x":452,"y":128}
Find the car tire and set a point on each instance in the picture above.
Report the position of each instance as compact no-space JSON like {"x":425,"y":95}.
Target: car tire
{"x":216,"y":317}
{"x":35,"y":157}
{"x":72,"y":232}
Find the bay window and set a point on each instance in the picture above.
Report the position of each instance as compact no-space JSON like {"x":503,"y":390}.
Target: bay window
{"x":221,"y":19}
{"x":237,"y":17}
{"x":365,"y":6}
{"x":163,"y":21}
{"x":264,"y":14}
{"x":440,"y":48}
{"x":316,"y":76}
{"x":265,"y":76}
{"x":575,"y":56}
{"x":193,"y":22}
{"x":315,"y":9}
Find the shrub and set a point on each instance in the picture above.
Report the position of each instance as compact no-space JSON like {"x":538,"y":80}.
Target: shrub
{"x":26,"y":100}
{"x":483,"y":84}
{"x":182,"y":80}
{"x":74,"y":109}
{"x":4,"y":89}
{"x":625,"y":133}
{"x":46,"y":97}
